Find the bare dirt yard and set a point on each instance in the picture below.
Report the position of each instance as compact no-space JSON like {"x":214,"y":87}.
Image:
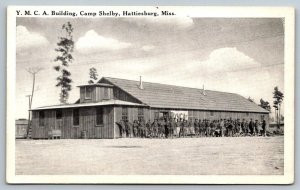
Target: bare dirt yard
{"x":184,"y":156}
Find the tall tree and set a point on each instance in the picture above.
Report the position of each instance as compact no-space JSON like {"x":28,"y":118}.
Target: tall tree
{"x":93,"y":76}
{"x":278,"y":99}
{"x":64,"y":48}
{"x":265,"y":104}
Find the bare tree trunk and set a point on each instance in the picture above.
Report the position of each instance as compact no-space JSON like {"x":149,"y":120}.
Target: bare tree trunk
{"x":279,"y":115}
{"x":33,"y":72}
{"x":32,"y":91}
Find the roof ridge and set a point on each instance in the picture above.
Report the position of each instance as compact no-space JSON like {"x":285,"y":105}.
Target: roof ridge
{"x":170,"y":85}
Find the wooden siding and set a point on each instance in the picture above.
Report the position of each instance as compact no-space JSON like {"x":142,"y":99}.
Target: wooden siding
{"x":111,"y":115}
{"x":122,"y":95}
{"x":132,"y":115}
{"x":87,"y":122}
{"x":100,"y":93}
{"x":21,"y":130}
{"x":82,"y":95}
{"x":49,"y":124}
{"x":96,"y":95}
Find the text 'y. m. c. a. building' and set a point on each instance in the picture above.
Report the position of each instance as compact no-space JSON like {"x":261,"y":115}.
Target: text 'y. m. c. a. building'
{"x":103,"y":104}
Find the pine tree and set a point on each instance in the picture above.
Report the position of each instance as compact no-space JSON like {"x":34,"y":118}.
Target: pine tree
{"x":64,"y":48}
{"x":265,"y":104}
{"x":278,"y":96}
{"x":93,"y":76}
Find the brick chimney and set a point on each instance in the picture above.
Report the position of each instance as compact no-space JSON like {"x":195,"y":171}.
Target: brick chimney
{"x":203,"y":91}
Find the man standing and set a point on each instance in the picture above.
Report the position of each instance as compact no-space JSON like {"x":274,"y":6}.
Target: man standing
{"x":196,"y":127}
{"x":256,"y":127}
{"x":263,"y":126}
{"x":222,"y":127}
{"x":135,"y":128}
{"x":129,"y":128}
{"x":155,"y":128}
{"x":251,"y":126}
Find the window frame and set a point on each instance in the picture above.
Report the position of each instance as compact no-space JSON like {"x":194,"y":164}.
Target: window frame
{"x":90,"y":92}
{"x":141,"y":113}
{"x":124,"y":113}
{"x":102,"y":117}
{"x":42,"y":120}
{"x":73,"y":120}
{"x":56,"y":113}
{"x":105,"y":93}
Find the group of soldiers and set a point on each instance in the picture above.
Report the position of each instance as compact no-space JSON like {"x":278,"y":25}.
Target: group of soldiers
{"x":170,"y":128}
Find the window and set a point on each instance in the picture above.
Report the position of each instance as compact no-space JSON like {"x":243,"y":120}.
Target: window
{"x":156,"y":115}
{"x":41,"y":118}
{"x":140,"y":114}
{"x":247,"y":114}
{"x":75,"y":117}
{"x":211,"y":113}
{"x":99,"y":117}
{"x":88,"y":92}
{"x":58,"y":114}
{"x":124,"y":114}
{"x":105,"y":96}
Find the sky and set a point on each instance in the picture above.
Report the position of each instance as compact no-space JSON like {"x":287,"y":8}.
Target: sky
{"x":238,"y":55}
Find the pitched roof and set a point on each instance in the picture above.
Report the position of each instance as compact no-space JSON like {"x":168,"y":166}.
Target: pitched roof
{"x":177,"y":97}
{"x":97,"y":84}
{"x":101,"y":103}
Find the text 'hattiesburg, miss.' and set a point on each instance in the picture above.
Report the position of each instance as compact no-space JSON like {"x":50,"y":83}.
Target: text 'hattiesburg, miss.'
{"x":93,"y":14}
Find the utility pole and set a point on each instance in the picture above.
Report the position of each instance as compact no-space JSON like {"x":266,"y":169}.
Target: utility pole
{"x":33,"y":71}
{"x":29,"y":107}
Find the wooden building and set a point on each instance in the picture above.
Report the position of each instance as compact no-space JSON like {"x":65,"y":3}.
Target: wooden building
{"x":103,"y":104}
{"x":21,"y":128}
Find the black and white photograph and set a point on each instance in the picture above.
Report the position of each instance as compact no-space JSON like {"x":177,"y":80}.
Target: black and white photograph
{"x":150,"y":95}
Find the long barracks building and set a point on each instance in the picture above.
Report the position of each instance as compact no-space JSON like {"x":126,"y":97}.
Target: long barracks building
{"x":103,"y":104}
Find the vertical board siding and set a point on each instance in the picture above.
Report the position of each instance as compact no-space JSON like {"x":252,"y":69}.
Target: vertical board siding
{"x":111,"y":115}
{"x":121,"y":95}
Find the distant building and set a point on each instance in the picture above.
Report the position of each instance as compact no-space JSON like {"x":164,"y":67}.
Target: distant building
{"x":103,"y":104}
{"x":21,"y":128}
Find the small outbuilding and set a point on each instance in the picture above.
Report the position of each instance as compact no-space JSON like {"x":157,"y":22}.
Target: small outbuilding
{"x":103,"y":104}
{"x":21,"y":128}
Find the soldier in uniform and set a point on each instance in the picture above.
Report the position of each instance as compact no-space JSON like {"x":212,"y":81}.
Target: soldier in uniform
{"x":243,"y":127}
{"x":256,"y":127}
{"x":148,"y":129}
{"x":161,"y":129}
{"x":251,"y":127}
{"x":197,"y":128}
{"x":207,"y":128}
{"x":135,"y":128}
{"x":222,"y":128}
{"x":191,"y":128}
{"x":143,"y":129}
{"x":180,"y":128}
{"x":185,"y":128}
{"x":129,"y":128}
{"x":229,"y":128}
{"x":167,"y":128}
{"x":123,"y":126}
{"x":171,"y":125}
{"x":202,"y":128}
{"x":263,"y":126}
{"x":155,"y":128}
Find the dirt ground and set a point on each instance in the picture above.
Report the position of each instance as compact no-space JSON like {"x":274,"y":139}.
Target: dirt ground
{"x":184,"y":156}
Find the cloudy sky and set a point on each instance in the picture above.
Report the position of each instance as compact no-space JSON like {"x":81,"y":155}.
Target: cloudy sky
{"x":244,"y":56}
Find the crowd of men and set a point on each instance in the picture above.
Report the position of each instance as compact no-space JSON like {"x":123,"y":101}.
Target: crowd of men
{"x":171,"y":128}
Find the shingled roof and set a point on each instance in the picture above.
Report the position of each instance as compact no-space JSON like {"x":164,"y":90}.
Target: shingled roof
{"x":177,"y":97}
